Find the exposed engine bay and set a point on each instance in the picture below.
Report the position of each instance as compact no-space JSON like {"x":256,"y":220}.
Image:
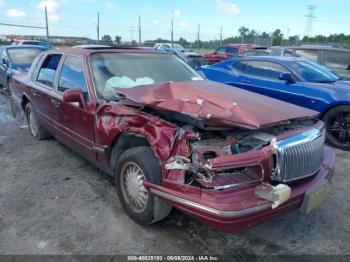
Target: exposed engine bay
{"x":214,"y":144}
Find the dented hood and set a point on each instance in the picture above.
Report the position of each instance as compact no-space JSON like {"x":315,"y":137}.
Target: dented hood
{"x":216,"y":104}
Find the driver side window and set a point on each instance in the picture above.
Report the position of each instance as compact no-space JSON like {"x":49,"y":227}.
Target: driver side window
{"x":265,"y":69}
{"x":72,"y":76}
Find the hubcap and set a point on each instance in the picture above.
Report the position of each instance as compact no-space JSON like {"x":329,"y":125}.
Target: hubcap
{"x":133,"y":189}
{"x":338,"y":128}
{"x":33,"y":124}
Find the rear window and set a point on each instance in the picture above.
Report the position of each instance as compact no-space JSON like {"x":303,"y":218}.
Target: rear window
{"x":232,"y":50}
{"x":23,"y":56}
{"x":127,"y":70}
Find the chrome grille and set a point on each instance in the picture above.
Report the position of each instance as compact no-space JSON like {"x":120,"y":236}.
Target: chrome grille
{"x":299,"y":156}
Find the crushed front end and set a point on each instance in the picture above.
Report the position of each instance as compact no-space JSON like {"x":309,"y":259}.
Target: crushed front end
{"x":234,"y":178}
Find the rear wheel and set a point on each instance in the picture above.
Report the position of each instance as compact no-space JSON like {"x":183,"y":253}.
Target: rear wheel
{"x":337,"y":122}
{"x":34,"y":126}
{"x":135,"y":166}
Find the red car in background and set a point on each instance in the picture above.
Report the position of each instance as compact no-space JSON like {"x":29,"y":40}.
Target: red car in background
{"x":228,"y":157}
{"x":226,"y":52}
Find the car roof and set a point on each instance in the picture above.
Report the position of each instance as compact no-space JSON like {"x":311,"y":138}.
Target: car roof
{"x":237,"y":45}
{"x":25,"y":47}
{"x":268,"y":58}
{"x":93,"y":50}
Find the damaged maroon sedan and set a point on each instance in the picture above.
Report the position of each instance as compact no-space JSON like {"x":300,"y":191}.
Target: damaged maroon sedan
{"x":228,"y":157}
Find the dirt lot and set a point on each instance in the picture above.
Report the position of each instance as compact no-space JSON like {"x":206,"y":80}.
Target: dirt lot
{"x":53,"y":202}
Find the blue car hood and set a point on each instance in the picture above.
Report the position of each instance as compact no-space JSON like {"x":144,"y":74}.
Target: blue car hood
{"x":339,"y":90}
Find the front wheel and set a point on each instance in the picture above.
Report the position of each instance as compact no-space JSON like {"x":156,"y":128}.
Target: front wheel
{"x":34,"y":126}
{"x":337,"y":121}
{"x":135,"y":166}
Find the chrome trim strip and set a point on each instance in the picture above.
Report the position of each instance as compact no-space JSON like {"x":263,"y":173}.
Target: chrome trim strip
{"x":99,"y":148}
{"x":210,"y":210}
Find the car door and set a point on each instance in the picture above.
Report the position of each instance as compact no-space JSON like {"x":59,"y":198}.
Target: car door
{"x":77,"y":122}
{"x":263,"y":77}
{"x":42,"y":92}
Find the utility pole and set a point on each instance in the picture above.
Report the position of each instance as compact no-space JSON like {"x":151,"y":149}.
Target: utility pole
{"x":198,"y":32}
{"x":172,"y":28}
{"x":310,"y":19}
{"x":140,"y":31}
{"x":47,"y":26}
{"x":98,"y":27}
{"x":221,"y":36}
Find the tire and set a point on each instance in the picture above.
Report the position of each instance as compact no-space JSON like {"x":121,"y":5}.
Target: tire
{"x":36,"y":130}
{"x":337,"y":121}
{"x":134,"y":166}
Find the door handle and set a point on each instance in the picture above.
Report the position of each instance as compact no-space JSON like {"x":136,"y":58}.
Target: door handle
{"x":246,"y":81}
{"x":35,"y":92}
{"x":55,"y":102}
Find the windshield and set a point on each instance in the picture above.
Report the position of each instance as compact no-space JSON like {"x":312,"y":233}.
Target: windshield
{"x":23,"y":56}
{"x":313,"y":72}
{"x":127,"y":70}
{"x":177,"y":46}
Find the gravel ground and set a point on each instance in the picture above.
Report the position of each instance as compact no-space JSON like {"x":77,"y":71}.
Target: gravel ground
{"x":53,"y":202}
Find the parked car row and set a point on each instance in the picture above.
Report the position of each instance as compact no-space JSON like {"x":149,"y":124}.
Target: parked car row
{"x":336,"y":59}
{"x":188,"y":55}
{"x":294,"y":80}
{"x":229,"y":157}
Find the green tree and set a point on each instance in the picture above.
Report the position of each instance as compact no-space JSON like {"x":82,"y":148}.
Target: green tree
{"x":107,"y":39}
{"x":277,"y":37}
{"x":118,"y":39}
{"x":182,"y":41}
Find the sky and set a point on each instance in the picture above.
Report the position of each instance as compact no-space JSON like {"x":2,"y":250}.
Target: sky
{"x":120,"y":17}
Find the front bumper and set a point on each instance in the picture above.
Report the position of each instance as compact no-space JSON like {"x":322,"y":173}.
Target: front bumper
{"x":234,"y":210}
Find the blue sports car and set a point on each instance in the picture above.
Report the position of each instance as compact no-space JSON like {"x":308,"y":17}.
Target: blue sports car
{"x":296,"y":81}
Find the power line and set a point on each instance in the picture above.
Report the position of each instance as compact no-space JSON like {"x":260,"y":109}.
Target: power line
{"x":310,"y":19}
{"x":172,"y":28}
{"x":25,"y":26}
{"x":140,"y":31}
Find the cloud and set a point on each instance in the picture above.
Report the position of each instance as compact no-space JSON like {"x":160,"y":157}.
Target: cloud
{"x":15,"y":13}
{"x":176,"y":13}
{"x":184,"y":25}
{"x":155,"y":22}
{"x":54,"y":18}
{"x":227,"y":7}
{"x":51,"y":5}
{"x":52,"y":8}
{"x":326,"y":1}
{"x":110,"y":4}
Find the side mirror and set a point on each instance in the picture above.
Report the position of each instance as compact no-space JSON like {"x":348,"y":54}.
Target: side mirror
{"x":286,"y":77}
{"x":74,"y":95}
